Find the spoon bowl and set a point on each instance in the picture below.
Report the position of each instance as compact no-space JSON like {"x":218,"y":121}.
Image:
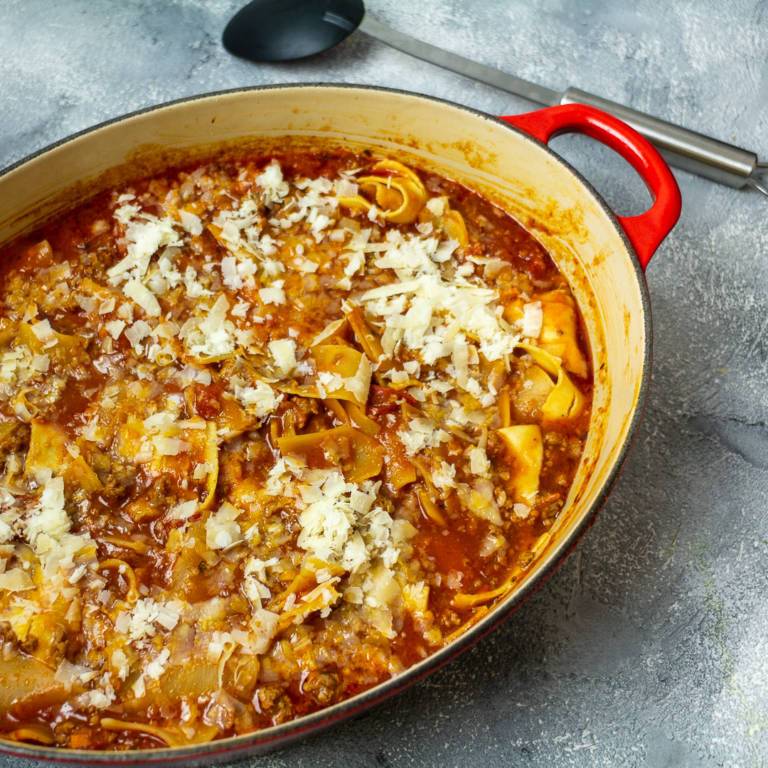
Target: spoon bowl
{"x":284,"y":30}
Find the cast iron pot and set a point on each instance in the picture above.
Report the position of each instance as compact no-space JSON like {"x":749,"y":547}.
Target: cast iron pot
{"x":507,"y":160}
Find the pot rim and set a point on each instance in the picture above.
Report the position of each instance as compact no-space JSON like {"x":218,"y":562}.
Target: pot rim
{"x":285,"y":733}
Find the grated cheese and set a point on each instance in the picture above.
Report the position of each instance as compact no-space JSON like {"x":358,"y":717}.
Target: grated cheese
{"x":191,"y":222}
{"x":212,"y":336}
{"x":283,"y":353}
{"x":274,"y":187}
{"x":135,"y":290}
{"x":139,"y":622}
{"x":144,"y":234}
{"x":44,"y":333}
{"x":273,"y":294}
{"x":533,"y":317}
{"x":421,"y":434}
{"x":114,"y":328}
{"x":221,"y":530}
{"x":340,"y":524}
{"x":478,"y":461}
{"x":260,"y":400}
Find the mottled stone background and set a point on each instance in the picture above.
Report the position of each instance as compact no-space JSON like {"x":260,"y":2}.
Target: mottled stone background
{"x":649,"y":645}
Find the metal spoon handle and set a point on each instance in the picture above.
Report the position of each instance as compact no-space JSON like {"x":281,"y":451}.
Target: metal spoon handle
{"x":689,"y":150}
{"x":447,"y":60}
{"x":683,"y":148}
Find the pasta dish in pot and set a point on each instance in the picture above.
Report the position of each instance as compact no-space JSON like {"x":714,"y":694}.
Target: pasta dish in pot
{"x":273,"y":429}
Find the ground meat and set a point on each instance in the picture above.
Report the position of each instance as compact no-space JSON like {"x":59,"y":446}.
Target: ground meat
{"x":321,"y":687}
{"x":118,"y":478}
{"x":14,"y":439}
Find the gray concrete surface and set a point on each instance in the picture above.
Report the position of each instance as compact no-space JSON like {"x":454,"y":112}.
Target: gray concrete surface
{"x":649,"y":647}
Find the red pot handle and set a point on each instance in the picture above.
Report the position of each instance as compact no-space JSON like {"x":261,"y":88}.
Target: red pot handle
{"x":647,"y":230}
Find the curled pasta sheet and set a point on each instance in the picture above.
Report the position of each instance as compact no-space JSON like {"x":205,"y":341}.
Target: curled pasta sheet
{"x":172,"y":737}
{"x":397,"y":191}
{"x":563,"y":400}
{"x":428,"y":506}
{"x":122,"y":542}
{"x":335,"y":331}
{"x":546,"y":360}
{"x":45,"y":339}
{"x":440,"y":214}
{"x":305,"y":580}
{"x":466,"y":600}
{"x":212,"y":461}
{"x":365,"y":337}
{"x":50,"y":451}
{"x":480,"y":612}
{"x":531,"y":396}
{"x":343,"y":372}
{"x":337,"y":409}
{"x":399,"y":470}
{"x":36,"y":734}
{"x":232,"y":420}
{"x":182,"y":455}
{"x":357,"y":416}
{"x":359,"y":455}
{"x":323,"y":596}
{"x":559,"y":329}
{"x":454,"y":226}
{"x":24,"y":678}
{"x":523,"y":441}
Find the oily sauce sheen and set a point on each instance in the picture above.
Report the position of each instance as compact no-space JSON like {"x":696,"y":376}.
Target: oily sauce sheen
{"x":272,"y":430}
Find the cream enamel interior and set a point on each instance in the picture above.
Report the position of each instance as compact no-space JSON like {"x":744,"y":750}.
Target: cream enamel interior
{"x":512,"y":170}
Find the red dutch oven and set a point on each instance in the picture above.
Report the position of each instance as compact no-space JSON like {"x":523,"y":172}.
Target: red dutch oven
{"x":505,"y":159}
